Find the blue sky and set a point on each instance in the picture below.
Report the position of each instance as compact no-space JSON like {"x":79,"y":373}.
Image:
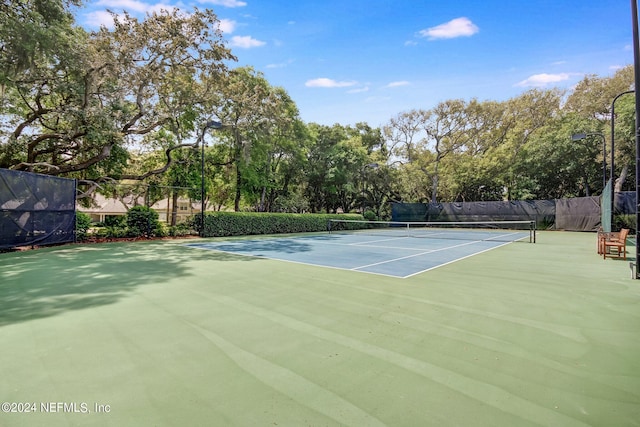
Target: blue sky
{"x":349,"y":61}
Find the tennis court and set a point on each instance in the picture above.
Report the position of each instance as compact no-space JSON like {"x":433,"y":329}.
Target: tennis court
{"x":162,"y":333}
{"x":387,"y":253}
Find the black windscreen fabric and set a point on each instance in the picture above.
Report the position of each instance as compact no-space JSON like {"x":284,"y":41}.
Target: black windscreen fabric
{"x":35,"y":209}
{"x":625,"y":203}
{"x":541,"y":211}
{"x":579,"y":214}
{"x":575,"y":214}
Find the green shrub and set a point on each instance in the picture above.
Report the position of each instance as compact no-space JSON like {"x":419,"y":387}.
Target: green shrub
{"x":83,"y":223}
{"x":115,"y":232}
{"x":370,"y":215}
{"x":180,"y":230}
{"x":624,"y":221}
{"x":115,"y":221}
{"x":161,"y":230}
{"x":218,"y":224}
{"x":100,"y":233}
{"x":143,"y":221}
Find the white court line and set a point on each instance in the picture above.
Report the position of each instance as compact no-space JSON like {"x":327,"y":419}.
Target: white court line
{"x":359,"y":269}
{"x":376,"y":241}
{"x":454,"y":260}
{"x":291,"y":261}
{"x":415,"y":255}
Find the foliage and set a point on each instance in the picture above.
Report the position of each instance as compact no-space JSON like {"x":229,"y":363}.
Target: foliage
{"x":76,"y":104}
{"x":370,"y":215}
{"x":180,"y":230}
{"x":143,"y":221}
{"x":220,"y":224}
{"x":34,"y":33}
{"x":115,"y":221}
{"x":116,"y":232}
{"x":624,"y":221}
{"x":75,"y":117}
{"x":83,"y":223}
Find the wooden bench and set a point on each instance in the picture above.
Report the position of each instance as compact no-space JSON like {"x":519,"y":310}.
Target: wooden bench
{"x":617,"y":241}
{"x":604,"y":236}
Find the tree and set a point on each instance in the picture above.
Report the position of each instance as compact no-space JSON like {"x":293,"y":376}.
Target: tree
{"x":446,"y":129}
{"x":260,"y":120}
{"x":593,"y":95}
{"x":76,"y":118}
{"x":553,"y":166}
{"x":34,"y":34}
{"x":625,"y":145}
{"x":523,"y":116}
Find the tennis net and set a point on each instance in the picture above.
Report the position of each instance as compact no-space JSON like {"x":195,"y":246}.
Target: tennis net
{"x":501,"y":231}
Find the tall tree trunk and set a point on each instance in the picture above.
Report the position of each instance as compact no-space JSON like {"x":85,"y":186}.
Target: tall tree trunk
{"x":434,"y":188}
{"x":621,"y":179}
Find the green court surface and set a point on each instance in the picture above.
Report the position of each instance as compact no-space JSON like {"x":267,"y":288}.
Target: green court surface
{"x":160,"y":334}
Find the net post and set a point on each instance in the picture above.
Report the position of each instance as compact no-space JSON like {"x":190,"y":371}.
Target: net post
{"x":533,"y":226}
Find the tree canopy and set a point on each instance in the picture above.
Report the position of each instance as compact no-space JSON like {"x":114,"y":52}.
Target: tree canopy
{"x":132,"y":104}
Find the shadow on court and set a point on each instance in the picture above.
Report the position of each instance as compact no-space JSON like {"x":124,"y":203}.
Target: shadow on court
{"x":255,"y":247}
{"x":48,"y":282}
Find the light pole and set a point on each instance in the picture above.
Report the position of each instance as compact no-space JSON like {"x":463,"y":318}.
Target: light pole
{"x":581,"y":136}
{"x":212,"y":124}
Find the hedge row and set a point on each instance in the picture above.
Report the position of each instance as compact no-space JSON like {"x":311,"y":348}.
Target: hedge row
{"x":220,"y":224}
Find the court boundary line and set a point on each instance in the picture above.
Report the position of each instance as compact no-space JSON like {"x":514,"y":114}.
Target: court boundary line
{"x":415,"y":255}
{"x":358,"y":269}
{"x":296,"y":262}
{"x":456,"y":260}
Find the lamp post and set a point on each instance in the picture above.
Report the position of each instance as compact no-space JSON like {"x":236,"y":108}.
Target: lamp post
{"x":212,"y":124}
{"x":581,"y":136}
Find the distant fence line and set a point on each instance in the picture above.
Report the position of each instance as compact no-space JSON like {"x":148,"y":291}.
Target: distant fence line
{"x":572,"y":214}
{"x":41,"y":210}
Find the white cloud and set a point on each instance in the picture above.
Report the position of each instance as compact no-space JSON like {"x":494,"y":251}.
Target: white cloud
{"x":245,"y":42}
{"x":398,"y":84}
{"x":459,"y":27}
{"x":99,"y":19}
{"x":227,"y":26}
{"x":104,"y":18}
{"x":133,"y":6}
{"x":128,"y":5}
{"x":226,"y":3}
{"x":544,"y":79}
{"x":160,"y":7}
{"x":324,"y":82}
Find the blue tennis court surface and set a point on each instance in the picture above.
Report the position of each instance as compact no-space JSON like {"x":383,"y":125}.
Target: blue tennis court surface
{"x":390,"y":256}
